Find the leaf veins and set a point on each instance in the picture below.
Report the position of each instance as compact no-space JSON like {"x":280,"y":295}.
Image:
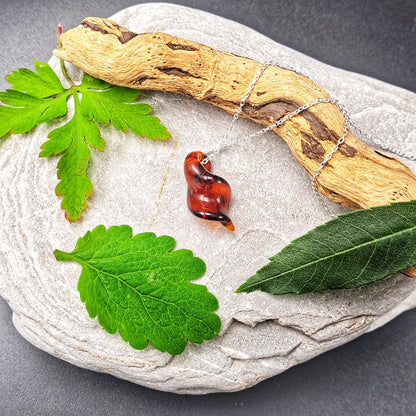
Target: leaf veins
{"x":138,"y":286}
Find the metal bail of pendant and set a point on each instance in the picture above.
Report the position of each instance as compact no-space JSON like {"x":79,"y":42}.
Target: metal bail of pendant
{"x":209,"y":195}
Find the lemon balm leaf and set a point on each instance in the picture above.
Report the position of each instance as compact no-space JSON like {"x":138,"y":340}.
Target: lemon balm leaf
{"x":137,"y":285}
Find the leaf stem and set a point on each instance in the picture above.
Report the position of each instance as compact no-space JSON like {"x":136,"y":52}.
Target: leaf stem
{"x":63,"y":69}
{"x":62,"y":255}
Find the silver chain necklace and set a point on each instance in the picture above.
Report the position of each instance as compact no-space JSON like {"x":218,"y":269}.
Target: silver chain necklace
{"x":347,"y":124}
{"x":205,"y":179}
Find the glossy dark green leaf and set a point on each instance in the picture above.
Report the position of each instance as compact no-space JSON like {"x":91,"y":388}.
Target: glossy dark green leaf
{"x":353,"y":250}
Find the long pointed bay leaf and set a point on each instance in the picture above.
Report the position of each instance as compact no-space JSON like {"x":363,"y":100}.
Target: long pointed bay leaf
{"x":350,"y":251}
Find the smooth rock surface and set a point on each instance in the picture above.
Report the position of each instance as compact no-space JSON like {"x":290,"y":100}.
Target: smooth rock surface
{"x":272,"y":204}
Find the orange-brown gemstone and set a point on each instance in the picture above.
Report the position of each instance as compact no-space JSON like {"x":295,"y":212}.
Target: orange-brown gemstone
{"x":208,"y":195}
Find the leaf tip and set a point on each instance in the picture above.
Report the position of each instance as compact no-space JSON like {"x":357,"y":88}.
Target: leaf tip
{"x":247,"y":287}
{"x":200,"y":266}
{"x":168,"y":136}
{"x":72,"y":217}
{"x":43,"y":152}
{"x":240,"y":289}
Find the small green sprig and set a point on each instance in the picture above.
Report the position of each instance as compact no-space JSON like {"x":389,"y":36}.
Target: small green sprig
{"x":39,"y":97}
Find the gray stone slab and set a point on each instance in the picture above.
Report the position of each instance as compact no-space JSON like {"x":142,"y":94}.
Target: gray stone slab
{"x":261,"y":335}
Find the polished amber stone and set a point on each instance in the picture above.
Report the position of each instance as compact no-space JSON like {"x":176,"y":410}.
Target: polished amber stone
{"x":208,"y":195}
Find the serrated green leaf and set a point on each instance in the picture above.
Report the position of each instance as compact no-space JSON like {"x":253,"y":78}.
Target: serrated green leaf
{"x":107,"y":104}
{"x":51,"y":80}
{"x":72,"y":138}
{"x":140,"y":287}
{"x":35,"y":98}
{"x":39,"y":97}
{"x":23,"y":112}
{"x":74,"y":185}
{"x":42,"y":84}
{"x":353,"y":250}
{"x":90,"y":82}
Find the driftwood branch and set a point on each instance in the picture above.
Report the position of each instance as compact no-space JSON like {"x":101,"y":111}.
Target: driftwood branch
{"x":356,"y":176}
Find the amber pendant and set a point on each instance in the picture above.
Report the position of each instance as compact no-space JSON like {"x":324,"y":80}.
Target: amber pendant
{"x":208,"y":195}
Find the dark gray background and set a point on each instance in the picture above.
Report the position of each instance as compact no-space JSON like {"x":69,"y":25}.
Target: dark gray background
{"x":373,"y":375}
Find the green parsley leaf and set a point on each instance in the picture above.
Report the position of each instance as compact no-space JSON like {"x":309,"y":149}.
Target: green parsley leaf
{"x":350,"y":251}
{"x":44,"y":83}
{"x":105,"y":103}
{"x":72,"y":138}
{"x":39,"y":97}
{"x":35,"y":98}
{"x":140,"y":287}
